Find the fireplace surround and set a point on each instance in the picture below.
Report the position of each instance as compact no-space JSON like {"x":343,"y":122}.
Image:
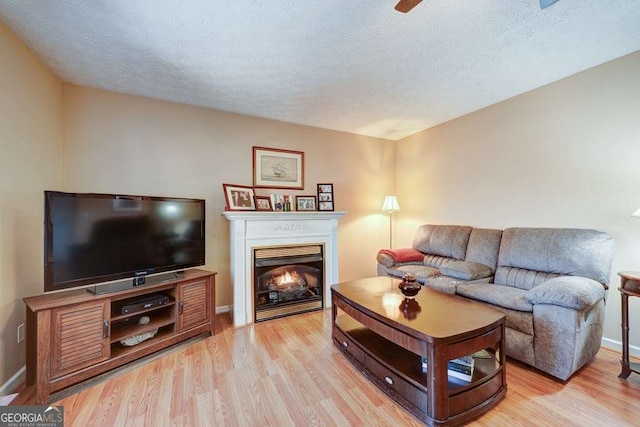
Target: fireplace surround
{"x":256,"y":231}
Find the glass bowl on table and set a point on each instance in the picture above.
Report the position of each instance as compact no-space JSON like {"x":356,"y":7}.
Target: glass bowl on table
{"x":409,"y":285}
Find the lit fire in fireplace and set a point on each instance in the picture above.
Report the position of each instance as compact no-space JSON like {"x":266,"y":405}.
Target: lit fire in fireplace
{"x":289,"y":281}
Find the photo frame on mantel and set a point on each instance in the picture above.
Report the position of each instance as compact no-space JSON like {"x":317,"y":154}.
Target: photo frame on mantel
{"x":325,"y":197}
{"x":275,"y":168}
{"x":306,"y":203}
{"x":263,"y":203}
{"x":239,"y":197}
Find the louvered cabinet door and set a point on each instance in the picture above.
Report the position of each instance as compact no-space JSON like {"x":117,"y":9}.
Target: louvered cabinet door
{"x":80,"y":336}
{"x":193,"y":304}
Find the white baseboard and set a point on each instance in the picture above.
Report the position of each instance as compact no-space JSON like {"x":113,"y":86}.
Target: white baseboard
{"x":12,"y":383}
{"x":223,"y":309}
{"x":617,"y":346}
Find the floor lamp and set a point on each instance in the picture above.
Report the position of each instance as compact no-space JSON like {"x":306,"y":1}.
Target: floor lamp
{"x":390,"y":205}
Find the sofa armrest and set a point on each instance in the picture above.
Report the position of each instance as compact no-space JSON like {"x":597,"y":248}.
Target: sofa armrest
{"x":578,"y":293}
{"x":391,"y":257}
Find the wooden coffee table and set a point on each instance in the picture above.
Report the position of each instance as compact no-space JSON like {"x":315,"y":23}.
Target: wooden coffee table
{"x":388,"y":338}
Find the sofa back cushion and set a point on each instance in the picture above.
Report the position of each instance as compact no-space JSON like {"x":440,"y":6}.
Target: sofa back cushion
{"x":529,"y":256}
{"x":521,"y":277}
{"x":483,"y":247}
{"x":448,"y":241}
{"x":436,"y":261}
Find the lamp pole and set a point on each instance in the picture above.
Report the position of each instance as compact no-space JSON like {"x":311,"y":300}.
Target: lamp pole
{"x":390,"y":205}
{"x":390,"y":230}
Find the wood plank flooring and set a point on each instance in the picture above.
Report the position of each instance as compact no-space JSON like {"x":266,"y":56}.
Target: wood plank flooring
{"x":286,"y":372}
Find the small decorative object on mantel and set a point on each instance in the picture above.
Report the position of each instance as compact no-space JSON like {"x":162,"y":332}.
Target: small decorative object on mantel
{"x":306,"y":203}
{"x":239,"y":197}
{"x":325,"y":197}
{"x":263,"y":203}
{"x":275,"y":168}
{"x":282,"y":202}
{"x":409,"y":285}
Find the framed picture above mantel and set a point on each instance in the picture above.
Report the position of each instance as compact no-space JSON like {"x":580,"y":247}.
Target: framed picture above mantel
{"x":275,"y":168}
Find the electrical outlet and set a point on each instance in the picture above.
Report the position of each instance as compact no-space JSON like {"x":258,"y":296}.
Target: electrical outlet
{"x":20,"y":333}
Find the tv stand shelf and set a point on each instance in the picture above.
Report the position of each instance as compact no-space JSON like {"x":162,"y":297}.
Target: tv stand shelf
{"x":141,"y":312}
{"x":120,"y":331}
{"x":75,"y":335}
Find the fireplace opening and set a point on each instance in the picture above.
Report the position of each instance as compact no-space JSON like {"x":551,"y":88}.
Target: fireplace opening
{"x":287,"y":281}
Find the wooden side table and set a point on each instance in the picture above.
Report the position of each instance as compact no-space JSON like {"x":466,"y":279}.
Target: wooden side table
{"x":629,"y":287}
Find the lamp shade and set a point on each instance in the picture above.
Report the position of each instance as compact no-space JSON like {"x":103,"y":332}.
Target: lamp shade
{"x":390,"y":204}
{"x":636,"y":213}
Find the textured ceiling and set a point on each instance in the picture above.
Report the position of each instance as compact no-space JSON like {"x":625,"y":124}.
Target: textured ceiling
{"x":357,"y":66}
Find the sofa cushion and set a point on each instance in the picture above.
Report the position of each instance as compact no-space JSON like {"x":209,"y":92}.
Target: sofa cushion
{"x":444,"y":284}
{"x":578,"y":293}
{"x":565,"y":251}
{"x":465,"y":270}
{"x":483,"y":247}
{"x":444,"y":240}
{"x":390,"y":257}
{"x":502,"y":296}
{"x":420,"y":271}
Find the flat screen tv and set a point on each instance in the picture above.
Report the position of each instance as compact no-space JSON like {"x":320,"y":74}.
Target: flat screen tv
{"x":95,"y":238}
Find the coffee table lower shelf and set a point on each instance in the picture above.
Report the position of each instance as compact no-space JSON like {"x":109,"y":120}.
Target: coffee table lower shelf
{"x":392,"y":355}
{"x":398,"y":372}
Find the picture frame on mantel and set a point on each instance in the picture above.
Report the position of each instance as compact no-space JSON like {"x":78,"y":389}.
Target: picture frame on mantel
{"x":325,"y":197}
{"x":263,"y":203}
{"x":306,"y":203}
{"x":239,"y":197}
{"x":276,"y":168}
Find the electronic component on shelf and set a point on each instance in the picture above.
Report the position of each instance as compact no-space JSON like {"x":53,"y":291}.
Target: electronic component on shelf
{"x":144,"y":302}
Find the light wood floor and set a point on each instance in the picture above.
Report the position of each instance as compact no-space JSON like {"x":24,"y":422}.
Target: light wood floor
{"x":287,"y":372}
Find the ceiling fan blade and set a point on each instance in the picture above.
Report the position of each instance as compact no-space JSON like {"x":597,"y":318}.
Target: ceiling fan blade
{"x":405,"y":6}
{"x":546,"y":3}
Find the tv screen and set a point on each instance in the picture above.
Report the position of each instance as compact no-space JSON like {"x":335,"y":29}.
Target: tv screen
{"x":93,"y":238}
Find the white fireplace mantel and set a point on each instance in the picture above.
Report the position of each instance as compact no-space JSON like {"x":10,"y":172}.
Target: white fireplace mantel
{"x":251,"y":230}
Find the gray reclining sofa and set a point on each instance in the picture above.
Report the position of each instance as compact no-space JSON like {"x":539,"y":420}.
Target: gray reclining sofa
{"x":551,"y":283}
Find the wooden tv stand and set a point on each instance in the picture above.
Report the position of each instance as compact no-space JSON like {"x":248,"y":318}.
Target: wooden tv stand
{"x":75,"y":335}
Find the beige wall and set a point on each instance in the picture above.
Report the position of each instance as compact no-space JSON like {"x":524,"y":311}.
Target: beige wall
{"x":30,"y":132}
{"x":565,"y":155}
{"x":117,"y":143}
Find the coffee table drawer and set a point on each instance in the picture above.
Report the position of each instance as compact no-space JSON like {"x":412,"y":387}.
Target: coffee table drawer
{"x":462,"y":402}
{"x":348,"y":345}
{"x":392,"y":381}
{"x":394,"y":335}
